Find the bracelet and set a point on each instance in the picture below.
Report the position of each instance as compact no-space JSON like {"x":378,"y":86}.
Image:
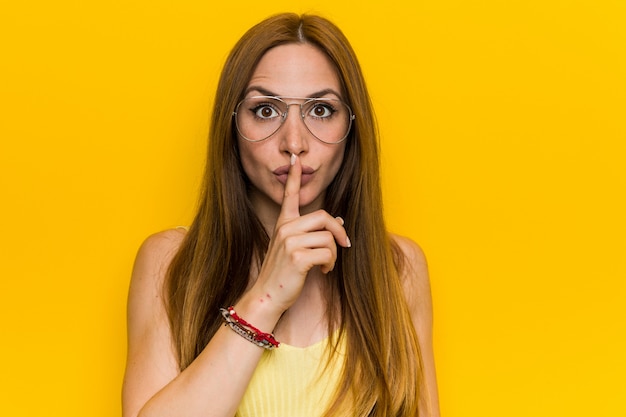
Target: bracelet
{"x":248,"y":331}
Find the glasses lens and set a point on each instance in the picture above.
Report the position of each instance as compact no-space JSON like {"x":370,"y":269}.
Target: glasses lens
{"x":327,"y":119}
{"x":258,"y":118}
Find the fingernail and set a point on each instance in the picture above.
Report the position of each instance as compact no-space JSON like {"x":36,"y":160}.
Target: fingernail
{"x":293,"y":158}
{"x":340,"y":220}
{"x":348,"y":242}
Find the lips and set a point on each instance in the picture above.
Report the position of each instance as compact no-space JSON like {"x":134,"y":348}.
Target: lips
{"x":282,"y":172}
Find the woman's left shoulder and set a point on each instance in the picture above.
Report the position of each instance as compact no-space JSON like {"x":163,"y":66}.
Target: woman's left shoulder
{"x":414,"y":259}
{"x":413,"y":271}
{"x":414,"y":274}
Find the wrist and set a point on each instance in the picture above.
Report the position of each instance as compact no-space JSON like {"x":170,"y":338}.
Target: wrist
{"x":247,"y":330}
{"x":259,"y":311}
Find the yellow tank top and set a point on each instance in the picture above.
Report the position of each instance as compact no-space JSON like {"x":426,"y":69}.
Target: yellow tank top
{"x":288,"y":382}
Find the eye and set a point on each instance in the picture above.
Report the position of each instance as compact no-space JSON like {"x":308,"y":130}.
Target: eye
{"x":265,"y":111}
{"x":321,"y":110}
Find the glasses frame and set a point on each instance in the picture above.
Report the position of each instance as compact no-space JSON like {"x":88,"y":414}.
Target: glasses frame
{"x":283,"y":116}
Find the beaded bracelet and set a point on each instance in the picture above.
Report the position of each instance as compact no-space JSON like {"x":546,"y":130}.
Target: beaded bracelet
{"x":248,"y":331}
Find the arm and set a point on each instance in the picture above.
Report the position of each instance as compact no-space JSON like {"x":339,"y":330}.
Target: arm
{"x":216,"y":380}
{"x":150,"y":362}
{"x":153,"y":386}
{"x":417,"y":290}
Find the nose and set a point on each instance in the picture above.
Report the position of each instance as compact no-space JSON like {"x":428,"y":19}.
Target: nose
{"x":294,"y":133}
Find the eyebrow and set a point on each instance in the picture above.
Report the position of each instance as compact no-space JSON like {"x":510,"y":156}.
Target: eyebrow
{"x":317,"y":94}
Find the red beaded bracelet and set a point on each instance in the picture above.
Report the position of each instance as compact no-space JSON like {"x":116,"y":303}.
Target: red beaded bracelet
{"x":248,"y":331}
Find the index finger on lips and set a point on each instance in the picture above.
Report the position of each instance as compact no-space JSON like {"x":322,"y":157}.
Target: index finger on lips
{"x":290,"y":207}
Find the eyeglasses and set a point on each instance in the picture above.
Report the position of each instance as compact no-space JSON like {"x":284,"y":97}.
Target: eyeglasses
{"x":259,"y":117}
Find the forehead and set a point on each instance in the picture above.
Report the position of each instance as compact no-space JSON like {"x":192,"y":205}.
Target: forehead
{"x":295,"y":70}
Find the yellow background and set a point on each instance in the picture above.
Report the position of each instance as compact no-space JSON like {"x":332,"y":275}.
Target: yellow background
{"x":503,"y":139}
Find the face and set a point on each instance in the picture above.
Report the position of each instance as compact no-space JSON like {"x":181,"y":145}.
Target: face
{"x":293,"y":70}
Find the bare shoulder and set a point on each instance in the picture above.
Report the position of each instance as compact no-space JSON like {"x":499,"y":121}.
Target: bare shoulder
{"x":151,"y":362}
{"x":156,"y":253}
{"x":416,"y":283}
{"x":158,"y":249}
{"x":415,"y":280}
{"x":415,"y":268}
{"x":151,"y":264}
{"x":412,"y":251}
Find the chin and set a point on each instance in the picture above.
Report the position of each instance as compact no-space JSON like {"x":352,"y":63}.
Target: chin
{"x":311,"y":203}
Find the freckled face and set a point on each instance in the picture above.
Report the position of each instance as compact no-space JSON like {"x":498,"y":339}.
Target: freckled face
{"x":292,"y":70}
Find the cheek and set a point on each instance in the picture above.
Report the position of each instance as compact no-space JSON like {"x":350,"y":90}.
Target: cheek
{"x":246,"y":163}
{"x":250,"y":159}
{"x":336,"y":160}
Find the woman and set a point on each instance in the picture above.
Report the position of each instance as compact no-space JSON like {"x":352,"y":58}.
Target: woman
{"x":265,"y":307}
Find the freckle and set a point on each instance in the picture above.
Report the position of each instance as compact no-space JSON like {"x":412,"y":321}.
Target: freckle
{"x":268,"y":296}
{"x":281,"y":285}
{"x":261,"y":300}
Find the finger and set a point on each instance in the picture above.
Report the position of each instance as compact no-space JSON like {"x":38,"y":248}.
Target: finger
{"x":290,"y":208}
{"x":322,"y":257}
{"x":320,"y":242}
{"x":312,"y":240}
{"x":319,"y":220}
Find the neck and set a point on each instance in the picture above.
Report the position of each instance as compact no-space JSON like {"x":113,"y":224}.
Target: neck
{"x":305,"y":322}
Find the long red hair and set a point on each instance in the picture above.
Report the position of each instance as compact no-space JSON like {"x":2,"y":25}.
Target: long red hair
{"x":382,"y":369}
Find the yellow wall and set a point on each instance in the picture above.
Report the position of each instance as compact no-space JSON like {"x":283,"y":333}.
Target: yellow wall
{"x":503,"y":136}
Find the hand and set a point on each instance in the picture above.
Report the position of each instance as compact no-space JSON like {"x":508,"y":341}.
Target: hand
{"x":298,"y":244}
